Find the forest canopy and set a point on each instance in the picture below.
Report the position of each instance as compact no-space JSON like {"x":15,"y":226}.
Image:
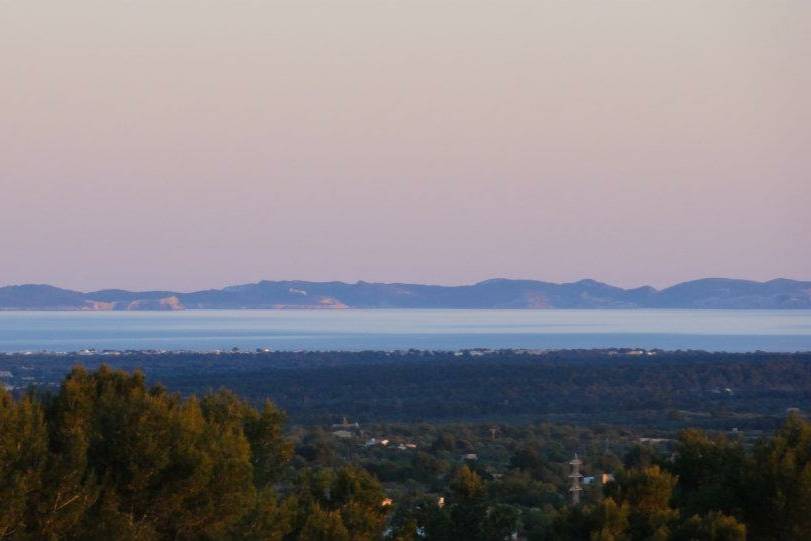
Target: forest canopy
{"x":109,"y":457}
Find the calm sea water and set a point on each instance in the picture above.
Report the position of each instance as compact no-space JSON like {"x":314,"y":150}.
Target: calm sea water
{"x":203,"y":330}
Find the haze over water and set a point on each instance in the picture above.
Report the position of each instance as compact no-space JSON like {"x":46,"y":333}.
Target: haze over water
{"x":200,"y":330}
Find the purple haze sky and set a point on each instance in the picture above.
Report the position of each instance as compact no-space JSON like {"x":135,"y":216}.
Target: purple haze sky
{"x":191,"y":144}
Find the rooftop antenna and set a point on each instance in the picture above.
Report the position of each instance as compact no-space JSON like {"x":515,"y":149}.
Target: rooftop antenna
{"x":575,"y":476}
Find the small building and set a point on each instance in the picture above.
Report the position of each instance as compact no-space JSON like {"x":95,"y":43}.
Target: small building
{"x":654,"y":441}
{"x":346,"y":425}
{"x":343,"y":434}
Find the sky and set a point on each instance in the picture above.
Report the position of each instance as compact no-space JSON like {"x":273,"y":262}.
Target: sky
{"x":192,"y":144}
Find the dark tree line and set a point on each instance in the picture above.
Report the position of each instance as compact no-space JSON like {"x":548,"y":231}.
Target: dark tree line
{"x":668,"y":390}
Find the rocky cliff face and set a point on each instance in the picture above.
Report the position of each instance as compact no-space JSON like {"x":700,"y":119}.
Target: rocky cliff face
{"x":166,"y":303}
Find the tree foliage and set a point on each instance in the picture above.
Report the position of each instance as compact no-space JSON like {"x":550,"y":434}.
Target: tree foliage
{"x":108,"y":457}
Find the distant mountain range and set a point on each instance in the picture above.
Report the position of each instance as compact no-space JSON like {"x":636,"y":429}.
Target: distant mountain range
{"x":497,"y":293}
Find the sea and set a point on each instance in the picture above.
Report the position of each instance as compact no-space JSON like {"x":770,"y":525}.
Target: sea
{"x":399,"y":329}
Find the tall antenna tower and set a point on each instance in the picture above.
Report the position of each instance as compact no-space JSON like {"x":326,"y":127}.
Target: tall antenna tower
{"x":575,"y":476}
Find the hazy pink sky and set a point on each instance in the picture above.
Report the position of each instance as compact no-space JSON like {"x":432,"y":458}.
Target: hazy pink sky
{"x":191,"y":144}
